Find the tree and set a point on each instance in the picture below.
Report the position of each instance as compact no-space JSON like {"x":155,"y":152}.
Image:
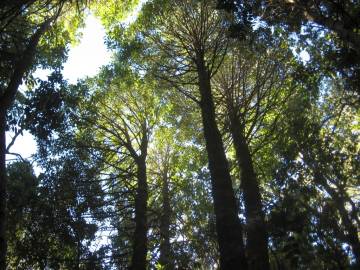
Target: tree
{"x":48,"y":227}
{"x":62,"y":214}
{"x":163,"y":164}
{"x":315,"y":155}
{"x":193,"y":40}
{"x":124,"y":118}
{"x":18,"y":15}
{"x":250,"y":88}
{"x":32,"y":33}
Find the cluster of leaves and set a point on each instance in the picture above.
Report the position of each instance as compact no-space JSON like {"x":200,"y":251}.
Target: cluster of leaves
{"x":298,"y":120}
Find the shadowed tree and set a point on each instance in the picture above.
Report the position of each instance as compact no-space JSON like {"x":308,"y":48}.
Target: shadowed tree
{"x":21,"y":32}
{"x":7,"y":96}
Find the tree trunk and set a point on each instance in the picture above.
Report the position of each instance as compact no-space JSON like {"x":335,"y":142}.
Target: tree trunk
{"x":257,"y":238}
{"x":165,"y":259}
{"x":138,"y":261}
{"x":228,"y":226}
{"x":2,"y":189}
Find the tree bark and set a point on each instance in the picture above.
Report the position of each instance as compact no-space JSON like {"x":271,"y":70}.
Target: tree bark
{"x":257,"y":237}
{"x":228,"y":226}
{"x":138,"y":261}
{"x":165,"y":259}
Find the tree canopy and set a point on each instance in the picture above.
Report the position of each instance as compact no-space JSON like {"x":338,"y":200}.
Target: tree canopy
{"x":221,"y":135}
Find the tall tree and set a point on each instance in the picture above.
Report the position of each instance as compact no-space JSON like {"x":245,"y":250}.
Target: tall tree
{"x":313,"y":153}
{"x":7,"y":98}
{"x":193,"y":40}
{"x":250,"y":87}
{"x":124,"y":116}
{"x":162,"y":164}
{"x":54,"y":225}
{"x":16,"y":62}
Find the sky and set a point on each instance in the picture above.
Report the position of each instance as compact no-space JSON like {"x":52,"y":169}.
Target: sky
{"x":85,"y":59}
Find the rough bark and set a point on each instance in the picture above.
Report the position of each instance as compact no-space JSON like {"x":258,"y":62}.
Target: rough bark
{"x":228,"y":226}
{"x":165,"y":249}
{"x":257,"y":238}
{"x":138,"y":261}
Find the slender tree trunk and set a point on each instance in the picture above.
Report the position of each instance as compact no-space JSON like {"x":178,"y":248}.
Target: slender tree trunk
{"x":257,"y":238}
{"x":228,"y":226}
{"x":138,"y":261}
{"x":2,"y":190}
{"x":165,"y":259}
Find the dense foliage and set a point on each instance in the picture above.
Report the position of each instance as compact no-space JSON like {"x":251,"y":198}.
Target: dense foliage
{"x":208,"y":142}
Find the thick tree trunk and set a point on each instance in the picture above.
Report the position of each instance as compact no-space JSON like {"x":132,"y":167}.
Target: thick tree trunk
{"x":2,"y":190}
{"x":138,"y":261}
{"x":165,"y":259}
{"x":257,"y":238}
{"x":228,"y":226}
